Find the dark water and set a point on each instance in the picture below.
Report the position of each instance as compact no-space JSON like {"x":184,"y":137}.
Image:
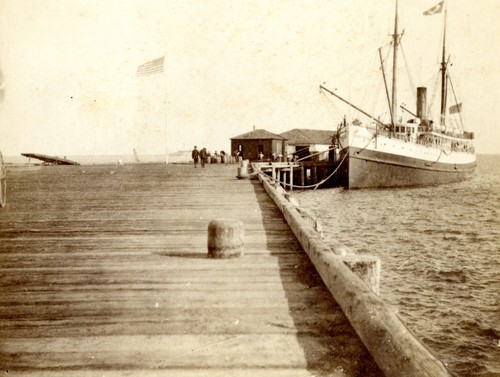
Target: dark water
{"x":440,"y":253}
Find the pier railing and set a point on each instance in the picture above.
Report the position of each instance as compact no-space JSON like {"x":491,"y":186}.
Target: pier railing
{"x":301,"y":175}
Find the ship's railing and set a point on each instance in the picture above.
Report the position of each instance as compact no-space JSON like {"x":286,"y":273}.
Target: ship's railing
{"x":433,"y":139}
{"x":456,"y":144}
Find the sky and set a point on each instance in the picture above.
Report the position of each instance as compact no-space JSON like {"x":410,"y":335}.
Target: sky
{"x":70,"y":84}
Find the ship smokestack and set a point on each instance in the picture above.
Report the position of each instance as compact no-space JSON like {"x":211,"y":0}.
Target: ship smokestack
{"x":422,"y":103}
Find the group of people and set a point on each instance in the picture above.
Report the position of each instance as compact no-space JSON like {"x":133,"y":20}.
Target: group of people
{"x":203,"y":157}
{"x":273,"y":157}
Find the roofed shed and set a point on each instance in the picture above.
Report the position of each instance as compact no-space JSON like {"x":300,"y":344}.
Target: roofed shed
{"x":304,"y":142}
{"x":251,"y":144}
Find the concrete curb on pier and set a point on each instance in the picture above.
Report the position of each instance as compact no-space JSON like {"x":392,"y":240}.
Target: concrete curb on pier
{"x":394,"y":348}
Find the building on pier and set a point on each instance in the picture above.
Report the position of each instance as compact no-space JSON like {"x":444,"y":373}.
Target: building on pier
{"x":258,"y":142}
{"x":306,"y":144}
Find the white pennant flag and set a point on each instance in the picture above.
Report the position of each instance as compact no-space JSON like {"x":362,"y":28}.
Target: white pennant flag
{"x":435,"y":9}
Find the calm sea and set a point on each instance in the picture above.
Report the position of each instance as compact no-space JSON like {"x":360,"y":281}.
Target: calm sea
{"x":440,"y":253}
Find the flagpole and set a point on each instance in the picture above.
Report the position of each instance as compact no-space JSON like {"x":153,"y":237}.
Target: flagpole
{"x":155,"y":67}
{"x":166,"y":115}
{"x":438,"y":8}
{"x":394,"y":70}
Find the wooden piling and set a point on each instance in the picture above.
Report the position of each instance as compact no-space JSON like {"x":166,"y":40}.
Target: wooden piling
{"x":367,"y":268}
{"x":243,"y":169}
{"x":225,"y":238}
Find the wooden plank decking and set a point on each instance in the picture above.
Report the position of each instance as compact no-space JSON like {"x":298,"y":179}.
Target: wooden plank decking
{"x":103,"y":271}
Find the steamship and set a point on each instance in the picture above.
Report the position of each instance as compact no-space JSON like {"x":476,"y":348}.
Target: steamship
{"x":416,"y":152}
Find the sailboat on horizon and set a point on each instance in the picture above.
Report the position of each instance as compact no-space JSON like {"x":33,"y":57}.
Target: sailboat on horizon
{"x":417,"y":152}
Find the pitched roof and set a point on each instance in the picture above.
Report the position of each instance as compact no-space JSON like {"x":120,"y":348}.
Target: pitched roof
{"x":259,"y":134}
{"x":307,"y":136}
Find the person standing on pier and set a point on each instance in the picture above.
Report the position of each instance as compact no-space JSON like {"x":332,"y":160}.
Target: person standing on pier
{"x":203,"y":157}
{"x":195,"y":154}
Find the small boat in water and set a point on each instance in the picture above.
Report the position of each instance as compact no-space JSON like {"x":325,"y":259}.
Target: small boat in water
{"x":415,"y":152}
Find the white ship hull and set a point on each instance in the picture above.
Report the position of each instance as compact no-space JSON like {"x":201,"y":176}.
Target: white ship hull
{"x":377,"y":160}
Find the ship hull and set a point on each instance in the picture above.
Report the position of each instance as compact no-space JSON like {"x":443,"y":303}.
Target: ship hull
{"x":371,"y":169}
{"x":376,"y":162}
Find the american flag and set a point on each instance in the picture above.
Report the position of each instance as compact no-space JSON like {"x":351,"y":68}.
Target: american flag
{"x":456,"y":108}
{"x":151,"y":68}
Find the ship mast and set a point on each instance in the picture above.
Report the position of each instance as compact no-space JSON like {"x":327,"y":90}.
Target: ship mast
{"x":395,"y":38}
{"x":444,"y":82}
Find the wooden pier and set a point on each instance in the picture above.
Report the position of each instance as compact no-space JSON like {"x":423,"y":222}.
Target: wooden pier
{"x":104,"y":271}
{"x":303,"y":175}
